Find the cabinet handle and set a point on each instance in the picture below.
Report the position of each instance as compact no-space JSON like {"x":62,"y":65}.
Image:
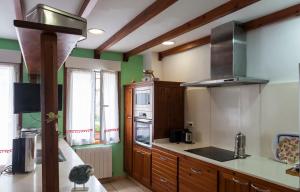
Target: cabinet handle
{"x":162,"y":158}
{"x":239,"y":182}
{"x":129,"y":117}
{"x":258,"y":189}
{"x":196,"y":171}
{"x":163,"y":180}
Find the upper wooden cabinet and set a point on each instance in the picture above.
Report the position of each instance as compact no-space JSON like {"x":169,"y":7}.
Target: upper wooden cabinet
{"x":128,"y":129}
{"x":168,"y":108}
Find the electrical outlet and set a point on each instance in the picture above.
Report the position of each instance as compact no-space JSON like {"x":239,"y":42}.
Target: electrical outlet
{"x":190,"y":124}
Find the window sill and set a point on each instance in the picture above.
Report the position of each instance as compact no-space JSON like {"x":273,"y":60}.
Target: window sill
{"x":90,"y":146}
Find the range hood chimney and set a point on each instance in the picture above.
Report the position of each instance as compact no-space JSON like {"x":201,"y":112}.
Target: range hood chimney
{"x":228,"y":58}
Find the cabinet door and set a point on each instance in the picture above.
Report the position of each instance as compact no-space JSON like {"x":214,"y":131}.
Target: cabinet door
{"x":262,"y":188}
{"x":195,"y":175}
{"x":138,"y":159}
{"x":128,"y":132}
{"x":164,"y":171}
{"x":231,"y":183}
{"x":146,"y":169}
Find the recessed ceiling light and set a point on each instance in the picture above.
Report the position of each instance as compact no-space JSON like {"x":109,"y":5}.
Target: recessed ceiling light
{"x":96,"y":31}
{"x":168,"y":43}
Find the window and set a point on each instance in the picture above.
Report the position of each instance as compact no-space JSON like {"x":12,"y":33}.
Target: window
{"x":97,"y":107}
{"x":92,"y":108}
{"x":8,"y":121}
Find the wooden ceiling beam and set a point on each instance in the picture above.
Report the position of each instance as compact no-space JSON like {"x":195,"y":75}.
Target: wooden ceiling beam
{"x":19,"y":9}
{"x":292,"y":11}
{"x":184,"y":47}
{"x":87,"y":7}
{"x":221,"y":11}
{"x":151,"y":11}
{"x":289,"y":12}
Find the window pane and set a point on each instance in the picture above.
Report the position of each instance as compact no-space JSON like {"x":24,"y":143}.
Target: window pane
{"x":81,"y":109}
{"x":7,"y":118}
{"x":97,"y":106}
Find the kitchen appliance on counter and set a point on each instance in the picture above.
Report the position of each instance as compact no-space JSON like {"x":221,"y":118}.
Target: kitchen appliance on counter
{"x":214,"y":153}
{"x":181,"y":135}
{"x":240,"y":145}
{"x":187,"y":136}
{"x":176,"y":135}
{"x":24,"y":153}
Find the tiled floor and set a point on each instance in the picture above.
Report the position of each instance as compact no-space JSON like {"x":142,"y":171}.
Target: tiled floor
{"x":124,"y":185}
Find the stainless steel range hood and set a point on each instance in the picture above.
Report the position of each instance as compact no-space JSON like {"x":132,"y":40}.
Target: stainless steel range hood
{"x":228,"y":58}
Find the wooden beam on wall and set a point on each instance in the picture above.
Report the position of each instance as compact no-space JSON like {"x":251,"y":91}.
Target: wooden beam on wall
{"x":19,"y":9}
{"x":184,"y":47}
{"x":221,"y":11}
{"x":289,"y":12}
{"x":87,"y":7}
{"x":151,"y":11}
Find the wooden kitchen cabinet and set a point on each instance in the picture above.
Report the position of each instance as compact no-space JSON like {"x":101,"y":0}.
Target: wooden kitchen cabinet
{"x":195,"y":175}
{"x":233,"y":183}
{"x":230,"y":181}
{"x":142,"y":165}
{"x":265,"y":187}
{"x":164,"y":171}
{"x":128,"y":129}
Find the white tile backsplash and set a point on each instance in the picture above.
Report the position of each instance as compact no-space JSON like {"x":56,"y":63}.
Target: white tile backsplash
{"x":279,"y":112}
{"x":198,"y":111}
{"x":258,"y":111}
{"x":236,"y":109}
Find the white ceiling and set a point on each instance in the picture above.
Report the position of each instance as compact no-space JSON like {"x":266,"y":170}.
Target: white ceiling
{"x":112,"y":15}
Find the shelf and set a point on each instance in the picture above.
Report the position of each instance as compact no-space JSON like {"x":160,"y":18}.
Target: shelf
{"x":29,"y":34}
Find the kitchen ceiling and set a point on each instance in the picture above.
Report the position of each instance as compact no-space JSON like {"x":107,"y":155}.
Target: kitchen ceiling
{"x":112,"y":15}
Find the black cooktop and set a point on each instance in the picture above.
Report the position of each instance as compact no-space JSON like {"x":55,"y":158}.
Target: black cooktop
{"x":214,"y":153}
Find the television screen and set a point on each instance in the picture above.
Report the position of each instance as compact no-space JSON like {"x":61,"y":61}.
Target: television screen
{"x":27,"y":97}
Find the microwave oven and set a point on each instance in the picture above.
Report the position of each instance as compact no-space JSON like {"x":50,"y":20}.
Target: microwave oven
{"x":143,"y":98}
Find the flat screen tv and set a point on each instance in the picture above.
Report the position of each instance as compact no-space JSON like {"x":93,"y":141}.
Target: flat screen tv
{"x":27,"y":97}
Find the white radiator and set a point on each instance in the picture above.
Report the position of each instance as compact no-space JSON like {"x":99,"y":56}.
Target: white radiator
{"x":100,"y":158}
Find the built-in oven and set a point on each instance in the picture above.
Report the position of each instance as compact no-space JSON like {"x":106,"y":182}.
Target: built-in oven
{"x":143,"y":98}
{"x":143,"y":128}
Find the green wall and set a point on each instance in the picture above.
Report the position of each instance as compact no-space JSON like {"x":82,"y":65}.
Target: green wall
{"x":130,"y":71}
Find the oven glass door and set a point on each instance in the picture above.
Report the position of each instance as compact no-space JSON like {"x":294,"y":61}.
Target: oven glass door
{"x":143,"y":132}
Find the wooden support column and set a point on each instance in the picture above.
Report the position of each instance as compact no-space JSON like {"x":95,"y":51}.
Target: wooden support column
{"x":49,"y":104}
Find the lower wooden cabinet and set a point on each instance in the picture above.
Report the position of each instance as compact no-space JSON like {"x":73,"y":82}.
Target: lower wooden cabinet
{"x":194,"y":176}
{"x":164,"y":171}
{"x":255,"y":187}
{"x":173,"y":172}
{"x":142,"y":165}
{"x":232,"y":183}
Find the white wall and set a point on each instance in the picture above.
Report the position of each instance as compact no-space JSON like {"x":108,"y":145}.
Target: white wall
{"x":151,"y":62}
{"x":258,"y":111}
